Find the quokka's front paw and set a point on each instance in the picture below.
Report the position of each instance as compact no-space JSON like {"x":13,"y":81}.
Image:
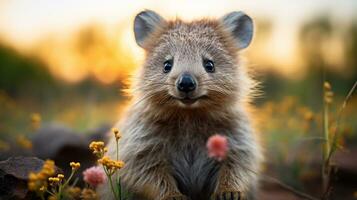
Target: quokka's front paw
{"x":227,"y":196}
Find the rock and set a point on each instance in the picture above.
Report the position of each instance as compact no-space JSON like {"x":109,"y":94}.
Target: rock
{"x":346,"y":162}
{"x":51,"y":139}
{"x":14,"y":150}
{"x":14,"y":175}
{"x":63,"y":145}
{"x":54,"y":141}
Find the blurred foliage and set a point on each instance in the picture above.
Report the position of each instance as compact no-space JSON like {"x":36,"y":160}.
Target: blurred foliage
{"x":18,"y":72}
{"x":27,"y":87}
{"x":351,"y":47}
{"x":293,"y":136}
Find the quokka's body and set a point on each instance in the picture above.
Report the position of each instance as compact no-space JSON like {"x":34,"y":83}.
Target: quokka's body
{"x":191,"y":87}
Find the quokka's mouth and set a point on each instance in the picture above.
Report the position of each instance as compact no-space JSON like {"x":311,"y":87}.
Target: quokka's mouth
{"x":189,"y":100}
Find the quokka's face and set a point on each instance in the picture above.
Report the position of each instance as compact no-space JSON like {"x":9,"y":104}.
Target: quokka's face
{"x":191,"y":65}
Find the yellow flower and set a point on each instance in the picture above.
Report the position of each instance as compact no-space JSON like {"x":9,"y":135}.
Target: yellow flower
{"x":116,"y":133}
{"x":32,"y":176}
{"x":60,"y":176}
{"x":35,"y":120}
{"x":119,"y":164}
{"x":111,"y":165}
{"x":38,"y":181}
{"x":53,"y":179}
{"x":328,"y":94}
{"x":98,"y":148}
{"x":22,"y":141}
{"x":96,"y":145}
{"x":48,"y":168}
{"x":75,"y":165}
{"x":104,"y":160}
{"x":43,"y":188}
{"x":32,"y":186}
{"x":43,"y":175}
{"x":308,"y":116}
{"x":35,"y":117}
{"x":327,"y":85}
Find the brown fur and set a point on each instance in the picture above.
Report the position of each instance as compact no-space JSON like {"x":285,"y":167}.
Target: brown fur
{"x":163,"y":143}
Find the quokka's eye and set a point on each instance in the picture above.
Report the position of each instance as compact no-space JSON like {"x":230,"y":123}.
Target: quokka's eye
{"x":209,"y":65}
{"x":167,"y":66}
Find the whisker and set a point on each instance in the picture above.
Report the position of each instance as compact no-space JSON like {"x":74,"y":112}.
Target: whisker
{"x":147,"y":86}
{"x":145,"y":97}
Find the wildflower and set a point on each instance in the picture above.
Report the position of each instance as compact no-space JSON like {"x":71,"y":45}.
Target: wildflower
{"x":54,"y":180}
{"x":116,"y":133}
{"x":75,"y":165}
{"x":38,"y":181}
{"x":327,"y":85}
{"x":329,"y":97}
{"x":94,"y":176}
{"x":98,"y":148}
{"x":32,"y":186}
{"x":217,"y":146}
{"x":88,"y":194}
{"x":308,"y":115}
{"x":328,"y":94}
{"x":48,"y":168}
{"x":96,"y":145}
{"x":60,"y":176}
{"x":111,"y":165}
{"x":43,"y":188}
{"x":35,"y":120}
{"x":22,"y":141}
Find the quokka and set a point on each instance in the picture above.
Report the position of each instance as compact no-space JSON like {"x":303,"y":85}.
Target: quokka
{"x":191,"y":86}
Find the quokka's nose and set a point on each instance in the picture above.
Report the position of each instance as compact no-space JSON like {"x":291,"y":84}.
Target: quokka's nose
{"x":186,"y":83}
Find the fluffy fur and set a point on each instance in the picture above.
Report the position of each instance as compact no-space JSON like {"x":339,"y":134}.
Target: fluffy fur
{"x":163,"y":143}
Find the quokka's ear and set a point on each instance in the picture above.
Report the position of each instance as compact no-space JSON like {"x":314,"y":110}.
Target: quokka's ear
{"x":144,"y":24}
{"x":240,"y":26}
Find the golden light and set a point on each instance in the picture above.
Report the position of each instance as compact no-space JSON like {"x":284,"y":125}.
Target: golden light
{"x":112,"y":54}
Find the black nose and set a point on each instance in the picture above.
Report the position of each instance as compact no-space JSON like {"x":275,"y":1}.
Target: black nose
{"x":186,"y":83}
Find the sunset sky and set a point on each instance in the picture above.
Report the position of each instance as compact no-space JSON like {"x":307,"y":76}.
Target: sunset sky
{"x":23,"y":23}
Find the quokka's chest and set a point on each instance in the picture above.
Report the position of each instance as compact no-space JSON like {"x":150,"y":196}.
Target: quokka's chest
{"x":194,"y":172}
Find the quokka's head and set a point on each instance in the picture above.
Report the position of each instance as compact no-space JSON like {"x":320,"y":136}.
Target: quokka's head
{"x":192,"y":65}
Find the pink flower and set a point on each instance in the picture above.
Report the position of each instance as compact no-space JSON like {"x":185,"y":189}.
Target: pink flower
{"x":217,"y":146}
{"x":94,"y":176}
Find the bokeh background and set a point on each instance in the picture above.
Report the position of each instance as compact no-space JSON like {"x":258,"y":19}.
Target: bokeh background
{"x":68,"y":61}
